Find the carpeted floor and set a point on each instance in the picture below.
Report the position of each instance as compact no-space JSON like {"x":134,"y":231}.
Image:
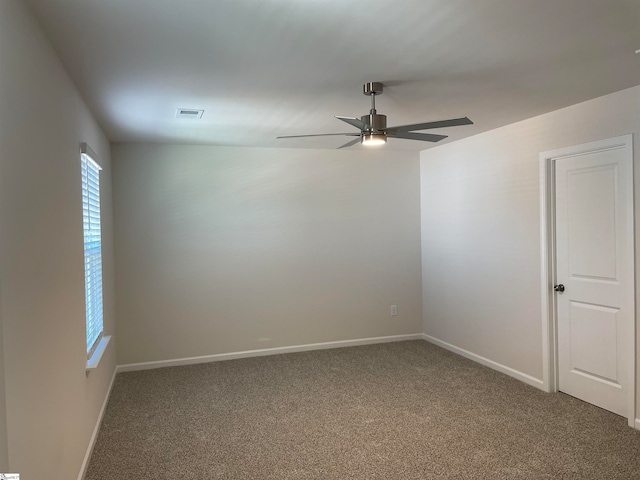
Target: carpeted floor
{"x":406,"y":410}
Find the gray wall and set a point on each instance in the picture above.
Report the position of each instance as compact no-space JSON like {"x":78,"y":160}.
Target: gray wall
{"x":225,"y":249}
{"x":481,"y":228}
{"x":51,"y":404}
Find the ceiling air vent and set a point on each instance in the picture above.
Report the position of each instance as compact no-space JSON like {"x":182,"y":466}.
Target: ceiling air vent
{"x":189,"y":113}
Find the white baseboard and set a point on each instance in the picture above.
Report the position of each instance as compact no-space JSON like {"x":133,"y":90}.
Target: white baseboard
{"x":523,"y":377}
{"x":96,"y":429}
{"x":264,"y":352}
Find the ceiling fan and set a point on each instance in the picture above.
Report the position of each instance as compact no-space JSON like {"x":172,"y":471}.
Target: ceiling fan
{"x":373,"y":127}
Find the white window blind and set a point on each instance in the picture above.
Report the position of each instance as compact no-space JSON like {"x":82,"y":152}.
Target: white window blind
{"x":92,"y":250}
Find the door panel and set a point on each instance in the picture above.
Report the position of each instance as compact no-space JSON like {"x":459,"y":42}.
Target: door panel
{"x":594,"y":340}
{"x":592,"y":235}
{"x":594,"y":263}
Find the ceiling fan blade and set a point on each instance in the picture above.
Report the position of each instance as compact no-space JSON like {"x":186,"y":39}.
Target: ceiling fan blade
{"x":425,"y":137}
{"x":350,"y":143}
{"x":321,"y":135}
{"x":454,"y":122}
{"x":356,"y":122}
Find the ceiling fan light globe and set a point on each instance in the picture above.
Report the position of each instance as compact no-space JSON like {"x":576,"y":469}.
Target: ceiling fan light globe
{"x":373,"y":139}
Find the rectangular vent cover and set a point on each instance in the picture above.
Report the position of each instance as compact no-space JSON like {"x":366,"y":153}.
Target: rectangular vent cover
{"x":189,"y":113}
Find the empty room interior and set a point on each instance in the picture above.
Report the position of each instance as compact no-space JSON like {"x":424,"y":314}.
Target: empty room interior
{"x":302,"y":239}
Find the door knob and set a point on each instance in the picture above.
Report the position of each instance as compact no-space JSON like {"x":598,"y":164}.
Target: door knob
{"x":559,"y":288}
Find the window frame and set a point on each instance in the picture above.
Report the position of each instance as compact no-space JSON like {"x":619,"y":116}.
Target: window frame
{"x":99,"y":343}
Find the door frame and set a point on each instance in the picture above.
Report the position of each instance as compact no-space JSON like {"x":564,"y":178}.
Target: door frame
{"x":548,"y":261}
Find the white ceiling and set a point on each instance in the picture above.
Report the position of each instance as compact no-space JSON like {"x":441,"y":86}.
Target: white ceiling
{"x":263,"y":68}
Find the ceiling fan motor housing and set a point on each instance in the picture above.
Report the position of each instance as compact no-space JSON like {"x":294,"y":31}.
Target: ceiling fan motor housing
{"x":374,"y":122}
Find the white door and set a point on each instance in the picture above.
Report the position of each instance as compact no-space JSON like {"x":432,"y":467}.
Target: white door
{"x":594,"y":264}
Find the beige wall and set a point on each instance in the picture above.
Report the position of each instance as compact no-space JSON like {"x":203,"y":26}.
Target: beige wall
{"x":225,"y":249}
{"x":51,"y":404}
{"x":4,"y":450}
{"x":481,"y":228}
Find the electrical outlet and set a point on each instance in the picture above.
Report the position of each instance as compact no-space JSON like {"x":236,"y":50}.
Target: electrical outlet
{"x":394,"y":310}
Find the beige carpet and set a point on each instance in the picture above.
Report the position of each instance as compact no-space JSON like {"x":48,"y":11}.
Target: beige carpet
{"x":406,"y":410}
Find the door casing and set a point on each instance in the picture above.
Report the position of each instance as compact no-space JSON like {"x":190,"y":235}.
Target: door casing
{"x":548,"y":261}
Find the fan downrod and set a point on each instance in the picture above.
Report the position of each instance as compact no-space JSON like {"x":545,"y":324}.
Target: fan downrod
{"x":373,"y":122}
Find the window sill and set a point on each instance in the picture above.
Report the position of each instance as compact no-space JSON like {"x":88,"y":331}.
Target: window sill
{"x":93,"y":362}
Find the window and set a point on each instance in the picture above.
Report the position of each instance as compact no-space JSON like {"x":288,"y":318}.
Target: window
{"x":92,"y":248}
